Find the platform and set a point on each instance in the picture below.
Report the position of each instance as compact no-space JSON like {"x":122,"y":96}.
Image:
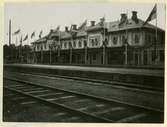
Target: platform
{"x":131,"y":71}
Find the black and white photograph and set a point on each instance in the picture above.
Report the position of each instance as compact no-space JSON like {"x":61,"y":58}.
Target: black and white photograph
{"x":84,"y":62}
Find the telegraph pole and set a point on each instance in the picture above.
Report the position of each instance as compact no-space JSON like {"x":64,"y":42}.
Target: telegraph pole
{"x":104,"y":43}
{"x":70,"y":46}
{"x":10,"y":48}
{"x":126,"y":43}
{"x":86,"y":50}
{"x":156,"y":36}
{"x":9,"y":32}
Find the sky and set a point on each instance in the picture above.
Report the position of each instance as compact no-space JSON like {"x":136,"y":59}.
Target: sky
{"x":30,"y":17}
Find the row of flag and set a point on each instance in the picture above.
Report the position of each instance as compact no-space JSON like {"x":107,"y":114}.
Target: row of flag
{"x":26,"y":36}
{"x":151,"y":16}
{"x":81,"y":27}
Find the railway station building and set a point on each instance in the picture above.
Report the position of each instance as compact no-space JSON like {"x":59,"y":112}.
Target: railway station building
{"x":123,"y":42}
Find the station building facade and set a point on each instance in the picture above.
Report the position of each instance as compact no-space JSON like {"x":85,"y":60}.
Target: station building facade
{"x":123,"y":42}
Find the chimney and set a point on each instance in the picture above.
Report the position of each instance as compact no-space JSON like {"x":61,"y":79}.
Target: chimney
{"x":74,"y":27}
{"x":92,"y":23}
{"x":123,"y":17}
{"x":66,"y":28}
{"x":134,"y":16}
{"x":51,"y":31}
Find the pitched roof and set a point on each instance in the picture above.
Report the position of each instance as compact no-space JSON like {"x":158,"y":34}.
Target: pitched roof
{"x":131,"y":24}
{"x":116,"y":26}
{"x":95,"y":27}
{"x":81,"y":33}
{"x":41,"y":40}
{"x":110,"y":26}
{"x":64,"y":35}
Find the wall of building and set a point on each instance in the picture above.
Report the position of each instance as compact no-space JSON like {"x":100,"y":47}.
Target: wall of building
{"x":140,"y":49}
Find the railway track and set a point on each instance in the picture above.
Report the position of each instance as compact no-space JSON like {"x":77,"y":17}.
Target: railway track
{"x":22,"y":108}
{"x":99,"y":82}
{"x":98,"y":109}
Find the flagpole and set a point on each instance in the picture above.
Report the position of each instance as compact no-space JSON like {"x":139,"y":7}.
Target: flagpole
{"x":16,"y":49}
{"x":156,"y":37}
{"x":85,"y":46}
{"x":104,"y":43}
{"x":126,"y":48}
{"x":59,"y":47}
{"x":9,"y":32}
{"x":20,"y":49}
{"x":71,"y":50}
{"x":27,"y":48}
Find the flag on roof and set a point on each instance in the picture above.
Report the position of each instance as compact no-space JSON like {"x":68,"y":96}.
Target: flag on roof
{"x":83,"y":25}
{"x":102,"y":20}
{"x":33,"y":34}
{"x":58,"y":28}
{"x":40,"y":34}
{"x":71,"y":28}
{"x":152,"y":15}
{"x":26,"y":37}
{"x":16,"y":32}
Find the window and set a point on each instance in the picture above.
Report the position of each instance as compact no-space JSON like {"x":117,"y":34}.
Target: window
{"x":70,"y":44}
{"x":37,"y":47}
{"x":85,"y":43}
{"x":123,"y":39}
{"x":65,"y":45}
{"x":136,"y":38}
{"x":96,"y":42}
{"x":41,"y":47}
{"x":106,"y":41}
{"x":79,"y":44}
{"x":45,"y":45}
{"x":74,"y":44}
{"x":115,"y":39}
{"x":92,"y":42}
